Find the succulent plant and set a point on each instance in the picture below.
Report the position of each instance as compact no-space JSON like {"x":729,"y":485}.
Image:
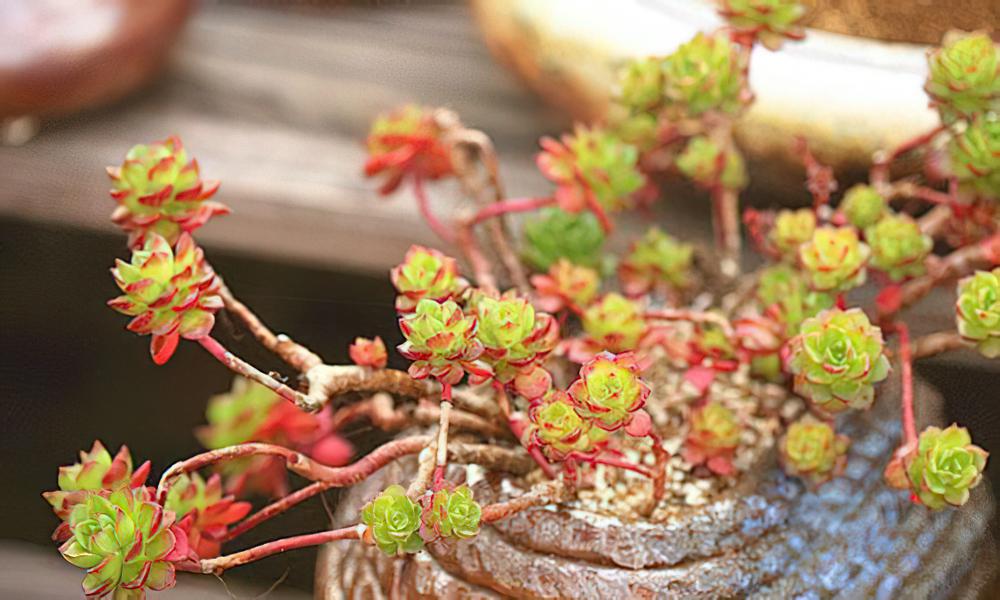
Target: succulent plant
{"x":640,"y":85}
{"x":96,"y":471}
{"x":556,"y":234}
{"x":834,"y":260}
{"x":974,"y":156}
{"x":942,"y":469}
{"x":393,"y":522}
{"x":425,"y":273}
{"x":792,"y":228}
{"x":863,"y":206}
{"x":704,"y":74}
{"x":407,"y":142}
{"x":761,"y":337}
{"x":441,"y":342}
{"x":369,"y":353}
{"x":203,"y":512}
{"x":964,"y":78}
{"x":837,"y":357}
{"x":708,"y":164}
{"x":713,"y":437}
{"x":771,"y":21}
{"x":125,"y":541}
{"x":558,"y":430}
{"x":565,"y":286}
{"x":452,"y":514}
{"x":614,"y":324}
{"x":591,"y":165}
{"x":159,"y":190}
{"x":811,"y":450}
{"x":170,"y":293}
{"x":250,"y":412}
{"x":978,"y":311}
{"x":898,"y":246}
{"x":515,"y":339}
{"x":786,"y":297}
{"x":609,"y":390}
{"x":656,"y":258}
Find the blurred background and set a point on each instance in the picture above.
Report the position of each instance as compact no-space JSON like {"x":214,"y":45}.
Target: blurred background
{"x":274,"y":99}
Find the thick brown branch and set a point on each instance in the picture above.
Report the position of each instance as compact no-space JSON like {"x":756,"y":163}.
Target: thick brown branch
{"x":329,"y":381}
{"x":539,"y":495}
{"x":297,"y":356}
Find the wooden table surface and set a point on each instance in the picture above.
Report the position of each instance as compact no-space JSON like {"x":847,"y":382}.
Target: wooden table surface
{"x":275,"y":104}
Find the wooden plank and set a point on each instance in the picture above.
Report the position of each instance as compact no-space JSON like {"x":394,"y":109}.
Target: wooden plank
{"x":275,"y":104}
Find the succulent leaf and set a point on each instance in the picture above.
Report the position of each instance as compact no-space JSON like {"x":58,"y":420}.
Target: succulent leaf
{"x":898,"y":246}
{"x":974,"y":156}
{"x":453,"y":513}
{"x":704,"y":74}
{"x":203,"y":512}
{"x":863,"y":206}
{"x":556,"y":234}
{"x":771,"y":21}
{"x":708,"y":164}
{"x":558,"y":430}
{"x":369,"y":353}
{"x":407,"y":142}
{"x":964,"y":75}
{"x":834,"y":259}
{"x":609,"y":390}
{"x":425,"y":273}
{"x":945,"y":466}
{"x":393,"y":521}
{"x":978,"y":311}
{"x":810,"y":449}
{"x":614,"y":324}
{"x":792,"y":228}
{"x":96,"y":471}
{"x":566,"y":286}
{"x":441,"y":342}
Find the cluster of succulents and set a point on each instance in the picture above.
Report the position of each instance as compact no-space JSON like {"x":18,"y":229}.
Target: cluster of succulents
{"x":250,"y":412}
{"x":407,"y":143}
{"x":557,"y":234}
{"x":770,"y":21}
{"x":170,"y":293}
{"x":96,"y":471}
{"x":451,"y":514}
{"x":592,"y":169}
{"x":713,"y":436}
{"x":978,"y":311}
{"x":941,"y":469}
{"x":964,"y":77}
{"x":704,"y":74}
{"x":836,"y":358}
{"x":812,"y":450}
{"x":159,"y":190}
{"x":655,"y":260}
{"x":425,"y":273}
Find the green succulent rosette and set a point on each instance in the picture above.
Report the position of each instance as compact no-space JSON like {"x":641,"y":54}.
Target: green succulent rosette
{"x":978,"y":311}
{"x":203,"y":512}
{"x":640,"y":85}
{"x":656,"y":259}
{"x":614,"y":324}
{"x":565,"y":286}
{"x":945,"y":466}
{"x":393,"y":522}
{"x":171,"y":293}
{"x":837,"y":358}
{"x":863,"y":206}
{"x":441,"y":342}
{"x":714,"y":429}
{"x":609,"y":390}
{"x":792,"y":228}
{"x":785,"y":297}
{"x":159,"y":190}
{"x":124,"y":540}
{"x":964,"y":76}
{"x":974,"y":156}
{"x":452,"y":514}
{"x":557,"y":428}
{"x":425,"y":273}
{"x":811,"y":450}
{"x":834,"y":259}
{"x":898,"y":246}
{"x":515,"y":339}
{"x":96,"y":471}
{"x":771,"y":21}
{"x":556,"y":234}
{"x":702,"y":162}
{"x":704,"y":74}
{"x":407,"y":142}
{"x":591,"y":165}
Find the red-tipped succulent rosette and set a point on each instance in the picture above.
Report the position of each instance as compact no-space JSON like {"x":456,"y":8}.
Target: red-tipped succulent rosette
{"x":407,"y":143}
{"x":610,"y":392}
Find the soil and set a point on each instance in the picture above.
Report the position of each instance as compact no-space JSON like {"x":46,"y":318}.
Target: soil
{"x":915,"y":21}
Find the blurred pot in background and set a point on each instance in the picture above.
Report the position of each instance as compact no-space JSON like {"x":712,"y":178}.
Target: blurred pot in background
{"x":848,"y":95}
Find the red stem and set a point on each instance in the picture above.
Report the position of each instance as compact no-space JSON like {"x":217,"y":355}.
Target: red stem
{"x":660,"y":469}
{"x":879,"y":173}
{"x":423,"y":204}
{"x":906,"y":371}
{"x":241,"y":367}
{"x":219,"y":564}
{"x":610,"y":460}
{"x":515,"y":205}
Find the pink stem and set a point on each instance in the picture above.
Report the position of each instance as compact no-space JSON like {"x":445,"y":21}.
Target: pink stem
{"x":660,"y":469}
{"x":219,"y":564}
{"x":906,"y":371}
{"x":515,"y":205}
{"x":241,"y":367}
{"x":879,"y":173}
{"x":610,"y":460}
{"x":423,"y":204}
{"x":275,"y":508}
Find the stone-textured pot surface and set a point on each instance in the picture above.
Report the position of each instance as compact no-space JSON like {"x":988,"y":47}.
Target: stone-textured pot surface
{"x":769,"y":538}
